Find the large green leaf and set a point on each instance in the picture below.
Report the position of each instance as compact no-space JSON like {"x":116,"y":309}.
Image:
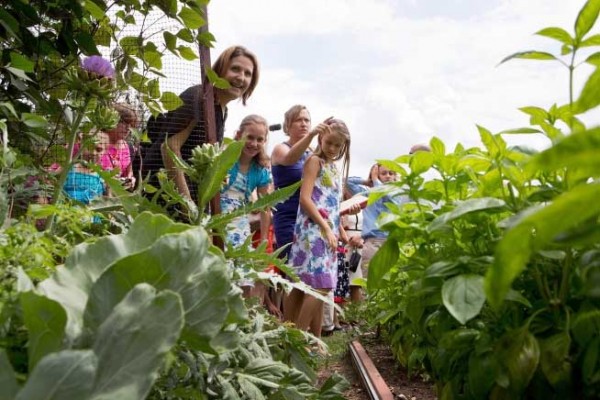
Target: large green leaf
{"x":152,"y":58}
{"x":45,"y":321}
{"x":580,"y":149}
{"x":518,"y":353}
{"x":494,"y":144}
{"x":593,"y":40}
{"x":191,"y":18}
{"x":8,"y":380}
{"x":86,"y":43}
{"x":170,"y":41}
{"x":9,"y":23}
{"x":463,"y":296}
{"x":475,"y":162}
{"x":68,"y":374}
{"x":590,"y":94}
{"x":187,"y":53}
{"x":586,"y":326}
{"x":180,"y":262}
{"x":71,"y":283}
{"x":133,"y":341}
{"x":437,"y":146}
{"x":520,"y":131}
{"x":530,"y":55}
{"x":420,"y":162}
{"x":385,"y":258}
{"x":98,"y":11}
{"x":594,"y":59}
{"x":463,"y":208}
{"x":34,"y":120}
{"x":554,"y":360}
{"x":170,"y":101}
{"x":587,"y":18}
{"x":264,"y":202}
{"x":20,"y":61}
{"x":556,"y":33}
{"x":533,"y":232}
{"x":481,"y":375}
{"x":211,"y":183}
{"x":591,"y":362}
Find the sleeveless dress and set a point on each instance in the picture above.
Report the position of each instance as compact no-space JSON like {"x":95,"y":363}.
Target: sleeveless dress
{"x":284,"y":215}
{"x":313,"y":260}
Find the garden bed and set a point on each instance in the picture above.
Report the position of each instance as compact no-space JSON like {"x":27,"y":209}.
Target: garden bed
{"x":380,"y":353}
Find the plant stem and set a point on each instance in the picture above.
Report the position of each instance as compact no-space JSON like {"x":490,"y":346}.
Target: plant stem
{"x":571,"y":73}
{"x":541,"y":287}
{"x":58,"y":190}
{"x":564,"y":281}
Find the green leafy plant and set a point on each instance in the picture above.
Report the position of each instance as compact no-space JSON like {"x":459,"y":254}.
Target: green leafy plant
{"x":487,"y":278}
{"x":103,"y":324}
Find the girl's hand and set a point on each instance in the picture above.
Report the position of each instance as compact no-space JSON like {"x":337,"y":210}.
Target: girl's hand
{"x":356,"y":241}
{"x":375,"y":172}
{"x":354,"y":209}
{"x":331,"y":239}
{"x":322,"y":127}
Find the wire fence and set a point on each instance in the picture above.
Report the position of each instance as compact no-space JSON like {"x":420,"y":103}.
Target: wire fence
{"x":127,"y":149}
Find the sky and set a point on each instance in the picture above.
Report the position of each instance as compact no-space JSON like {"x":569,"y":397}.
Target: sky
{"x":398,"y":72}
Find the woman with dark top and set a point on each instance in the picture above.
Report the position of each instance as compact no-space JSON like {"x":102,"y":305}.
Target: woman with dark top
{"x":182,"y":129}
{"x":287,"y":161}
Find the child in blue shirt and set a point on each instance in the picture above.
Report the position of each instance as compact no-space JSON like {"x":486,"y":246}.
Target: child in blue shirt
{"x":83,"y":184}
{"x":372,"y":237}
{"x":251,"y":172}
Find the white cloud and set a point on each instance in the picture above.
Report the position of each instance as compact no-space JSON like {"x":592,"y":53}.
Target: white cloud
{"x":399,"y":71}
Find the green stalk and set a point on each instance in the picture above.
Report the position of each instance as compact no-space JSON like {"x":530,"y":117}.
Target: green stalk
{"x":542,"y":288}
{"x":571,"y":73}
{"x":58,"y":190}
{"x":564,"y":281}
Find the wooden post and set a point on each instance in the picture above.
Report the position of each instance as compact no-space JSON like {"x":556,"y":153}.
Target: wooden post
{"x":208,"y":107}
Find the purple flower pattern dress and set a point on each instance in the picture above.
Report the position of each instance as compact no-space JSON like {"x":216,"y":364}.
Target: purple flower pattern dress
{"x":313,"y":260}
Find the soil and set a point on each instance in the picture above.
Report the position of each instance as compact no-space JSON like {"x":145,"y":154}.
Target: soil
{"x":396,"y":377}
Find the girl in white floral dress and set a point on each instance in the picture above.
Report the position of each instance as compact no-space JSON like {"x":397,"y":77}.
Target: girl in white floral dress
{"x":313,"y":253}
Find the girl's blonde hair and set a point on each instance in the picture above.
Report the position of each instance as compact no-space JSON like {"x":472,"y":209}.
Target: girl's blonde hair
{"x":338,"y":126}
{"x":261,"y":158}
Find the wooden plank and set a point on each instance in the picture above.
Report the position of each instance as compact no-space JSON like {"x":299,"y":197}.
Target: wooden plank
{"x":372,"y":380}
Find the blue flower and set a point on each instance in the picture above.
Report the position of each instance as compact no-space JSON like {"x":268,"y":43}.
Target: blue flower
{"x":98,"y":66}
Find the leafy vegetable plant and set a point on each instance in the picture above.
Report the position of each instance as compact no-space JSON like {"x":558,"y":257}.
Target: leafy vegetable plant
{"x":488,"y":280}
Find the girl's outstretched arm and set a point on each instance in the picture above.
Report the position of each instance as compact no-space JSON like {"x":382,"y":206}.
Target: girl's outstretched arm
{"x":312,"y":166}
{"x":284,"y":155}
